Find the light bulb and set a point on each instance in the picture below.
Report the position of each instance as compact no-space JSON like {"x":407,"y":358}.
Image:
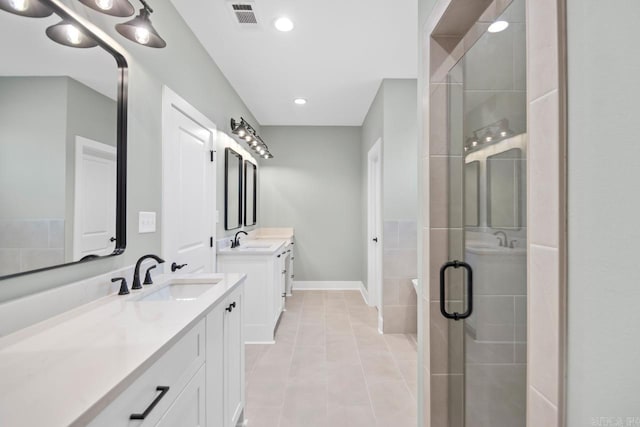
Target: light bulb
{"x":142,"y":35}
{"x":503,"y":133}
{"x":104,"y":4}
{"x":255,"y":142}
{"x":19,"y":5}
{"x":283,"y":24}
{"x":266,"y":156}
{"x":248,"y":138}
{"x":488,"y":139}
{"x":498,"y":26}
{"x":474,"y":143}
{"x":241,"y":133}
{"x":73,"y":35}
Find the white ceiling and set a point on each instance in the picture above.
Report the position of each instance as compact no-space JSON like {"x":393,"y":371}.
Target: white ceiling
{"x":336,"y":56}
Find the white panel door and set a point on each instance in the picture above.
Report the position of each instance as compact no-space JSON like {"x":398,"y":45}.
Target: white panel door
{"x":189,"y":188}
{"x":94,"y":225}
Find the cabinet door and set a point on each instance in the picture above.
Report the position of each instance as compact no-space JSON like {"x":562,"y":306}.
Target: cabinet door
{"x":234,"y":358}
{"x":188,"y":410}
{"x":215,"y":366}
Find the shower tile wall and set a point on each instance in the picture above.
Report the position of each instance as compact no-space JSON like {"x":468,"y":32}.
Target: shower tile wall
{"x":399,"y":268}
{"x":30,"y":244}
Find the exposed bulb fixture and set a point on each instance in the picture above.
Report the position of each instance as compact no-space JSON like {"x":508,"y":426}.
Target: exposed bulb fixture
{"x":140,"y":30}
{"x":489,"y":134}
{"x":68,"y":34}
{"x":121,"y":8}
{"x":503,"y":133}
{"x":498,"y":26}
{"x":28,"y":8}
{"x":246,"y":132}
{"x":488,"y":138}
{"x":474,"y":143}
{"x":300,"y":101}
{"x":283,"y":24}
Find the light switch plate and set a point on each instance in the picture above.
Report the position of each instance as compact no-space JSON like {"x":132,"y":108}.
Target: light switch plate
{"x":146,"y":222}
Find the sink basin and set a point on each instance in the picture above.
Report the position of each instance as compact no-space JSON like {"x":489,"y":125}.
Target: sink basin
{"x":255,"y":246}
{"x":180,"y":290}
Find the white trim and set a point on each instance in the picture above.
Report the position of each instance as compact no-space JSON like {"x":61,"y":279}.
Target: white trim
{"x":300,"y":285}
{"x":374,"y":225}
{"x":365,"y":294}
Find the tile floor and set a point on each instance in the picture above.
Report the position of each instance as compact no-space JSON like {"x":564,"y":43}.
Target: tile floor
{"x":331,"y":368}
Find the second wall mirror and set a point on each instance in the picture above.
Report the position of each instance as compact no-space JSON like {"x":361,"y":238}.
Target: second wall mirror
{"x":250,"y":193}
{"x":232,"y":189}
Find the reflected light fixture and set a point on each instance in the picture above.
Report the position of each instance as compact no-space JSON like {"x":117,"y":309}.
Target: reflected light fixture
{"x":245,"y":131}
{"x":498,"y":26}
{"x":121,"y":8}
{"x":140,"y":30}
{"x":28,"y":8}
{"x":283,"y":24}
{"x":68,"y":34}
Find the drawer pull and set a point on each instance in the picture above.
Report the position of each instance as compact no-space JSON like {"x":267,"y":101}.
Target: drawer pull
{"x":231,"y":307}
{"x":163,"y":390}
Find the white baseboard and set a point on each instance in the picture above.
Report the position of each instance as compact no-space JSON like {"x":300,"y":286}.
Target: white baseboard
{"x":300,"y":285}
{"x":365,"y":294}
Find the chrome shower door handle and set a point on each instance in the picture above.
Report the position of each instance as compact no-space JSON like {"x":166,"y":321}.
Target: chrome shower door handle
{"x":455,"y":315}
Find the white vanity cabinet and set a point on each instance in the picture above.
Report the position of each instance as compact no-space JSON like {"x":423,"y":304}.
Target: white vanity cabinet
{"x":263,"y":291}
{"x":198,"y":382}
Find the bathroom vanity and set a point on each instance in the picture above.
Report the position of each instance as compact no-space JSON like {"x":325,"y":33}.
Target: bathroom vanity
{"x":170,"y":354}
{"x":267,"y":259}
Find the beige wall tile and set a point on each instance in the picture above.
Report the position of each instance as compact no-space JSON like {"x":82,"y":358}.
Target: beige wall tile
{"x":544,"y":321}
{"x":544,"y":167}
{"x":542,"y":48}
{"x":540,"y":411}
{"x":445,"y":205}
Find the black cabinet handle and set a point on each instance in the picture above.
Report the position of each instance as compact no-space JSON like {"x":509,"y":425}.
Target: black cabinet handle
{"x":455,"y":315}
{"x":375,"y":239}
{"x":113,"y":239}
{"x":163,"y":390}
{"x":175,"y":266}
{"x":233,"y":304}
{"x":231,"y":307}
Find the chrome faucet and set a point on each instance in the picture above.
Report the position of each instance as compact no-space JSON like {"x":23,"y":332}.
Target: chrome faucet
{"x":499,"y":235}
{"x":136,"y":272}
{"x":235,"y":242}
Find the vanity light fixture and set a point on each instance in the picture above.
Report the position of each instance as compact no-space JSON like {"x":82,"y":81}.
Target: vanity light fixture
{"x":121,"y":8}
{"x":140,"y":30}
{"x":283,"y":24}
{"x":498,"y":26}
{"x":68,"y":34}
{"x":246,"y":132}
{"x":490,"y":134}
{"x":28,"y":8}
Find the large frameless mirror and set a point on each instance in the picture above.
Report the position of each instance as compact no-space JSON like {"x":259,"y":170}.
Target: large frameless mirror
{"x":62,"y":141}
{"x":250,"y":193}
{"x":232,"y":189}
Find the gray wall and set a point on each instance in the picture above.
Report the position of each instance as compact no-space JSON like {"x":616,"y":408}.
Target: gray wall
{"x":188,"y":70}
{"x":603,"y":331}
{"x":314,"y":185}
{"x":33,"y":114}
{"x":392,"y":117}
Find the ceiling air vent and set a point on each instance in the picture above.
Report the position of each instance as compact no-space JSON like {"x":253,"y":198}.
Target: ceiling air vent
{"x":244,"y":13}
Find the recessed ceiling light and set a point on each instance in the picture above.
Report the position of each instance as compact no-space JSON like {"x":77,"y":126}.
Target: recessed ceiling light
{"x":498,"y":26}
{"x":283,"y":24}
{"x":300,"y":101}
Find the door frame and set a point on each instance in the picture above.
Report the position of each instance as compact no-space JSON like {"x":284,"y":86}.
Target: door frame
{"x":82,"y":144}
{"x":374,"y":228}
{"x":171,"y":100}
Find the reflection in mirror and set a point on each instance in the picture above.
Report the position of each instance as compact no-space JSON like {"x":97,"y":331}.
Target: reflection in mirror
{"x":59,"y":137}
{"x":472,"y":194}
{"x":250,"y":193}
{"x":505,"y":195}
{"x":232,"y":190}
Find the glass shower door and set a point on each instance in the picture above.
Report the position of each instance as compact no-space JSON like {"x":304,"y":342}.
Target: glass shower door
{"x":483,"y":286}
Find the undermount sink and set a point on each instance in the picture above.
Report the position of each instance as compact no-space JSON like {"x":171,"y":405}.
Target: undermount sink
{"x":180,"y":290}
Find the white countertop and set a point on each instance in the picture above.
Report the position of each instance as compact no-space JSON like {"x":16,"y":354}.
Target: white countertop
{"x":259,"y":246}
{"x":68,"y":368}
